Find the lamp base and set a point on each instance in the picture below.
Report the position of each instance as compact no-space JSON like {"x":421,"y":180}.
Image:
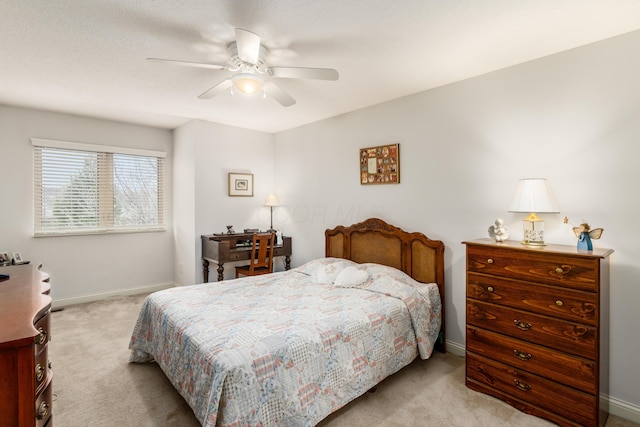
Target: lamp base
{"x":533,"y":232}
{"x":530,"y":243}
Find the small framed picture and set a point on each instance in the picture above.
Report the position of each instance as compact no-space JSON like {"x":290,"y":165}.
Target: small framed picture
{"x":4,"y":258}
{"x":380,"y":165}
{"x":17,"y":258}
{"x":241,"y":184}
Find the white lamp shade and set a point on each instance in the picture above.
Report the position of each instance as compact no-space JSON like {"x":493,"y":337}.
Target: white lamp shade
{"x":533,"y":195}
{"x":271,"y":200}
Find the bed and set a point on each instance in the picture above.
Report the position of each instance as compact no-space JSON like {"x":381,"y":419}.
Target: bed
{"x":292,"y":347}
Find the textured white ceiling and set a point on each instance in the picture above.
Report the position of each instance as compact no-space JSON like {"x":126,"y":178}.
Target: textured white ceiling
{"x":87,"y":57}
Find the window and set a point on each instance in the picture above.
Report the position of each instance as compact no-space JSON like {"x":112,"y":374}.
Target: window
{"x":85,"y":189}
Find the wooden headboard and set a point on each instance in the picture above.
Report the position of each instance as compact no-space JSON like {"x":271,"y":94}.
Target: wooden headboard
{"x":373,"y":240}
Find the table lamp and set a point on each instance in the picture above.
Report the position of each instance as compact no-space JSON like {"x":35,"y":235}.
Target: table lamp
{"x":271,"y":201}
{"x":533,"y":196}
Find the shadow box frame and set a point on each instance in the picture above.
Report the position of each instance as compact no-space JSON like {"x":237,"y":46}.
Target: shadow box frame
{"x":380,"y":164}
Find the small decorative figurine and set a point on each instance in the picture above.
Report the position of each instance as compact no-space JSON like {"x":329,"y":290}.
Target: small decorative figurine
{"x":230,"y":229}
{"x":585,"y":234}
{"x":499,"y":232}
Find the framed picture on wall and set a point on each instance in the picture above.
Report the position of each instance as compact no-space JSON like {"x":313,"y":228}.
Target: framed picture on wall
{"x":380,"y":165}
{"x":240,"y":184}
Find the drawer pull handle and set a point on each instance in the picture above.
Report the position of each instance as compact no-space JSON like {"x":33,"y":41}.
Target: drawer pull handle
{"x":490,"y":289}
{"x":523,"y":326}
{"x":559,"y":303}
{"x":40,"y":371}
{"x":489,"y":261}
{"x":521,"y":385}
{"x":43,"y":411}
{"x":42,"y":336}
{"x":563,"y":269}
{"x":522,"y":355}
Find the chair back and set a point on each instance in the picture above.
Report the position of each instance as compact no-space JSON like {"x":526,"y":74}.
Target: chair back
{"x":262,"y":252}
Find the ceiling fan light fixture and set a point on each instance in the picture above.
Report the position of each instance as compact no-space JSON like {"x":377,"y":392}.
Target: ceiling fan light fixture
{"x":248,"y":83}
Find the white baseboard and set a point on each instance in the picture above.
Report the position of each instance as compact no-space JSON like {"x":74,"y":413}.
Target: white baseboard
{"x":617,"y":407}
{"x":60,"y":303}
{"x":621,"y":409}
{"x":455,"y":348}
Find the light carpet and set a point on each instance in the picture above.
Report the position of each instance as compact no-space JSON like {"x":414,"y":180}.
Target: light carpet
{"x":95,"y":385}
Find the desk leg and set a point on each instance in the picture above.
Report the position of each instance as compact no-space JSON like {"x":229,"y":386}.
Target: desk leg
{"x":287,"y":262}
{"x":205,"y":270}
{"x":220,"y":272}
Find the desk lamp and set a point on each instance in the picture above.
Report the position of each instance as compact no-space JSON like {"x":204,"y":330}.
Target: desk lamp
{"x":533,"y":195}
{"x":271,"y":201}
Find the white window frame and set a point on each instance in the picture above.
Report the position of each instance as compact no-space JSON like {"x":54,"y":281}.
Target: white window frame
{"x":105,"y":191}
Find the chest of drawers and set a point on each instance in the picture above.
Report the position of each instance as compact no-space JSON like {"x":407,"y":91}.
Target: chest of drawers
{"x":25,"y":373}
{"x":537,"y":328}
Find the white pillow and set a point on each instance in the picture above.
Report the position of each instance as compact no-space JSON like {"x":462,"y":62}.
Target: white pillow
{"x":350,"y":277}
{"x":328,"y":273}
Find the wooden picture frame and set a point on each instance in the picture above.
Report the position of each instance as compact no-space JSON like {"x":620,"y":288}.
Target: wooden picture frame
{"x":380,"y":165}
{"x":240,"y":184}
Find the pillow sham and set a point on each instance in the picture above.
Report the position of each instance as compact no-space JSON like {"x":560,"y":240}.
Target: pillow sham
{"x":324,"y":270}
{"x":350,"y":277}
{"x":383,"y":272}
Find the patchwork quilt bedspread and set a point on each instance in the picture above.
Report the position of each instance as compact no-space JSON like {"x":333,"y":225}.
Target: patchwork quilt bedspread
{"x":288,"y":348}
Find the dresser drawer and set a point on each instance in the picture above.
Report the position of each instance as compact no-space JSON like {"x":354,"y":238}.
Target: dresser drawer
{"x":537,"y":391}
{"x":43,"y":325}
{"x":562,"y":270}
{"x":41,"y":369}
{"x":576,"y":306}
{"x":573,"y":338}
{"x":44,"y":404}
{"x":569,"y":370}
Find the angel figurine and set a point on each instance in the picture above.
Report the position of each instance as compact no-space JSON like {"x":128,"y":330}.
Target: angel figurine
{"x":499,"y":232}
{"x":585,"y":234}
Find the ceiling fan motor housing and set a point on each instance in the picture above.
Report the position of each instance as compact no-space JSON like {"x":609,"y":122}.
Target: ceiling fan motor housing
{"x":246,"y":66}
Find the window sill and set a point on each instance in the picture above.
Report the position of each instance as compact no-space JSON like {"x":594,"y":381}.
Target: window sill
{"x":63,"y":233}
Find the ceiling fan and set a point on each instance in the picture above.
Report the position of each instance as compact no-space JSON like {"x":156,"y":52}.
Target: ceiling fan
{"x":251,"y":74}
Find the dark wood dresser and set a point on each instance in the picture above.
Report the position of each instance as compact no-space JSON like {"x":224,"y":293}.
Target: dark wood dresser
{"x":537,"y":333}
{"x":25,"y":373}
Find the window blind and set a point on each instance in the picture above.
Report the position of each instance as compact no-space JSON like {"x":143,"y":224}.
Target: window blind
{"x":85,"y":188}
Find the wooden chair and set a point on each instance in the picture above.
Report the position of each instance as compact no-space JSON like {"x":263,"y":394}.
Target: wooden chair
{"x":261,"y":256}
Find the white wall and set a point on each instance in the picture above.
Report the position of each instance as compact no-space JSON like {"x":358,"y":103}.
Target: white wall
{"x":184,"y":190}
{"x":79,"y":266}
{"x":572,"y":118}
{"x":206,"y":152}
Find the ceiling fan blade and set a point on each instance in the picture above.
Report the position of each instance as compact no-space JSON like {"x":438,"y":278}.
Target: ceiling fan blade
{"x":279,"y":94}
{"x":188,"y":63}
{"x":248,"y":45}
{"x":217,"y":89}
{"x":304,"y":73}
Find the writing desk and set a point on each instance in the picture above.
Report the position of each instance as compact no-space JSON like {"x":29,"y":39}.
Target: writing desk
{"x":223,"y":248}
